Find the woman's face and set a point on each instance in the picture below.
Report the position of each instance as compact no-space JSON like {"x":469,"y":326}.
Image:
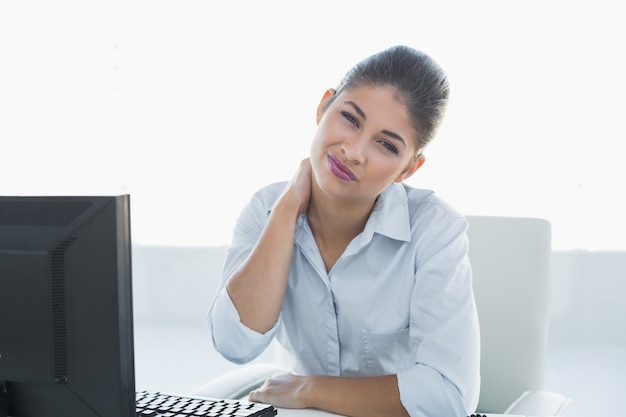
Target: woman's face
{"x":365,"y":141}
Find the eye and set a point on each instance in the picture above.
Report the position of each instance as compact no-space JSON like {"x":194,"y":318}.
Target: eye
{"x":389,"y":146}
{"x":350,"y":118}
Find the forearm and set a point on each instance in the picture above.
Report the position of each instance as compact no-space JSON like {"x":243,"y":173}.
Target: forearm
{"x":258,"y":286}
{"x":363,"y":397}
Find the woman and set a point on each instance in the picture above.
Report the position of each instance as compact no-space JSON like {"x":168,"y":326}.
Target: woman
{"x":363,"y":279}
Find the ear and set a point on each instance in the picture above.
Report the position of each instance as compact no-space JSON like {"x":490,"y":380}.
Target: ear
{"x":323,"y":103}
{"x":416,"y":163}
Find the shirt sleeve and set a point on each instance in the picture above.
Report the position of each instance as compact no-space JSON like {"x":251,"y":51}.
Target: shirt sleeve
{"x":231,"y":338}
{"x":445,"y":379}
{"x":234,"y":340}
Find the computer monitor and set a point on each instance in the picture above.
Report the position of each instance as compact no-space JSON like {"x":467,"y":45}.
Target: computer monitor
{"x":66,"y":322}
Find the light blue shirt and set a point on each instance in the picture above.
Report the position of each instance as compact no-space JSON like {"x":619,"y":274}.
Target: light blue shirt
{"x":399,"y":301}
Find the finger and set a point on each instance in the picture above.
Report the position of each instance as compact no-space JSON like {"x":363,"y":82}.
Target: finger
{"x":254,"y":396}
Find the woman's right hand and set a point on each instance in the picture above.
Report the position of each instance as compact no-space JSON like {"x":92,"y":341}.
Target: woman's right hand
{"x":298,"y":190}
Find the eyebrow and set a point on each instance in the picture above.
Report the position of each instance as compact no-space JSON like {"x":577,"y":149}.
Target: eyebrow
{"x":362,"y":114}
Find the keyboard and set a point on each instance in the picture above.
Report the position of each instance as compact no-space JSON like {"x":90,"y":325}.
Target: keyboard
{"x":158,"y":404}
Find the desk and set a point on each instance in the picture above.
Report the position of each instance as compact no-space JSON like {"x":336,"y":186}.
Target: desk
{"x":283,"y":412}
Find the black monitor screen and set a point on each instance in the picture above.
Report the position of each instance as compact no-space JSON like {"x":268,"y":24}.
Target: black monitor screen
{"x":66,"y":323}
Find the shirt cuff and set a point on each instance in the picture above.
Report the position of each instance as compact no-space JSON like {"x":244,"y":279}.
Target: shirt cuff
{"x":425,"y":392}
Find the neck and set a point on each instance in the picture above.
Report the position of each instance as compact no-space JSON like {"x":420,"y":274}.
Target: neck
{"x":337,"y":219}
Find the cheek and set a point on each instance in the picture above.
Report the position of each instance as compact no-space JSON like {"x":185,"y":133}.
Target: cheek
{"x":385,"y":172}
{"x":321,"y":140}
{"x":317,"y":154}
{"x":316,"y":144}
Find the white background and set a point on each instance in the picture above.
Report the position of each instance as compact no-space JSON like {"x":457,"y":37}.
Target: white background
{"x":190,"y":106}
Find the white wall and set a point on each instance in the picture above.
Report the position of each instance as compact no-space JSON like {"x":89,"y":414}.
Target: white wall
{"x":190,"y":106}
{"x":589,"y":298}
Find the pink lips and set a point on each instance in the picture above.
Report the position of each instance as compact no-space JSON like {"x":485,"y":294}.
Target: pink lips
{"x":339,"y":169}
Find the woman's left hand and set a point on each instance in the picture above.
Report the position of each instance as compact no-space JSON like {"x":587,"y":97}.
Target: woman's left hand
{"x":282,"y":391}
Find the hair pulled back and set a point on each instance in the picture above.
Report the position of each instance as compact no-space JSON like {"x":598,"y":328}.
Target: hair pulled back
{"x":420,"y":83}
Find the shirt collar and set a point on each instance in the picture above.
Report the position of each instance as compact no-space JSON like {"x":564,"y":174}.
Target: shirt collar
{"x":390,"y":216}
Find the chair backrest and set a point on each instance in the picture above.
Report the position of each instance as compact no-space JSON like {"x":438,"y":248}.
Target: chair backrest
{"x":510,"y":259}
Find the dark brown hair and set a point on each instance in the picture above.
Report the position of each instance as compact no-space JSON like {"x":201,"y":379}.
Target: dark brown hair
{"x":416,"y":78}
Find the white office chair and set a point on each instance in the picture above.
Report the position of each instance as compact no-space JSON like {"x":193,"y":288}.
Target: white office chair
{"x":510,"y":259}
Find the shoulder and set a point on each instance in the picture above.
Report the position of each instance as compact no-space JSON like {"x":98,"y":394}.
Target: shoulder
{"x":256,"y":210}
{"x":424,"y":202}
{"x":267,"y":195}
{"x":428,"y":211}
{"x":437,"y":228}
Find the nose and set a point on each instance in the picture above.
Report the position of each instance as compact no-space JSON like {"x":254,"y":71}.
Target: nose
{"x":353,"y":149}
